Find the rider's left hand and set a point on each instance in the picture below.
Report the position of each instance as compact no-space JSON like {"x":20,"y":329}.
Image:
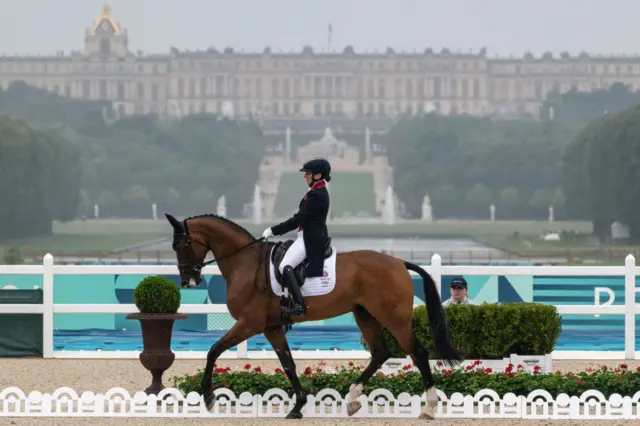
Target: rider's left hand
{"x":267,"y":233}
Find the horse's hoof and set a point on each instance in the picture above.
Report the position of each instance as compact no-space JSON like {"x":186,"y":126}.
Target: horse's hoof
{"x":294,"y":415}
{"x":427,"y":414}
{"x":209,"y":400}
{"x":353,"y":407}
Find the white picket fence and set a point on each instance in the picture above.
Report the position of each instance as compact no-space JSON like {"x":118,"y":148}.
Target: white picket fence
{"x":48,"y":270}
{"x":380,"y":403}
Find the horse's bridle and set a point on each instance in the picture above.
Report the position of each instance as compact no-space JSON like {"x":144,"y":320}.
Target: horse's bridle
{"x":197,"y":266}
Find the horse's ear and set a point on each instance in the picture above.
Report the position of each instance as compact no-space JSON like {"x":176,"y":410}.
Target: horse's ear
{"x":177,"y":225}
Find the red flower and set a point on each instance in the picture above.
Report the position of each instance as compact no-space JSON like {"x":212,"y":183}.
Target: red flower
{"x":604,"y":368}
{"x":193,"y":378}
{"x":477,"y":362}
{"x":488,"y":371}
{"x":439,"y":364}
{"x":469,"y":367}
{"x":247,"y":367}
{"x":279,"y":371}
{"x":351,"y":364}
{"x":258,"y":370}
{"x":580,"y":382}
{"x":308,"y":370}
{"x":520,"y":367}
{"x":624,"y":366}
{"x":511,"y":374}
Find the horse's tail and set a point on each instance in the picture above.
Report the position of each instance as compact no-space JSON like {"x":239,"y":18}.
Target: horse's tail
{"x":437,"y":320}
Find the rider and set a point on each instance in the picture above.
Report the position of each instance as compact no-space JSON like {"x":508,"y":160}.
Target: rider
{"x":311,"y":221}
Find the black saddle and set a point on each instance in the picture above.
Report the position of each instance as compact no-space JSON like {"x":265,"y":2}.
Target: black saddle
{"x":299,"y":271}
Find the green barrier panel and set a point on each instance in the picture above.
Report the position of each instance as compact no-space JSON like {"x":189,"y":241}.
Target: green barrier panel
{"x":20,"y":334}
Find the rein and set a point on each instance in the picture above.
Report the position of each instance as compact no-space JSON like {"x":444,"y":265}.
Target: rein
{"x":198,"y":268}
{"x":209,"y":262}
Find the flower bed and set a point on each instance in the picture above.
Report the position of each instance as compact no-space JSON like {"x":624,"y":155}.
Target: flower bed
{"x":467,"y":380}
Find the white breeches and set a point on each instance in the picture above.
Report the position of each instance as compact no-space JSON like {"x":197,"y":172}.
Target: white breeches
{"x":295,"y":255}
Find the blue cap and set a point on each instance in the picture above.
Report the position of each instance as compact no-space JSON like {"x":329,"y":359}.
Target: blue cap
{"x":459,"y":282}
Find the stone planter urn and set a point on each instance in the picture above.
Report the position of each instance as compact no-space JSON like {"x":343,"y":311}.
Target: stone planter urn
{"x":158,"y":300}
{"x":156,"y":355}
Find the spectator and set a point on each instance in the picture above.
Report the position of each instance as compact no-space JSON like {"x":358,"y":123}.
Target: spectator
{"x":458,"y":293}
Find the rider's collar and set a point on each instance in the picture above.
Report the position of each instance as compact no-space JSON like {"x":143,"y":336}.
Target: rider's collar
{"x":317,"y":185}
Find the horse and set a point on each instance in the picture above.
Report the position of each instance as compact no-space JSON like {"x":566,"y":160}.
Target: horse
{"x":377,"y":288}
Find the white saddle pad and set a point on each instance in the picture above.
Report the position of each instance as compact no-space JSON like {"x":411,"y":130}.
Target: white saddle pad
{"x":315,"y":286}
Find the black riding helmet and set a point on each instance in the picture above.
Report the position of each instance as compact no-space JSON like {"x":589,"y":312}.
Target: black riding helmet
{"x":318,"y":165}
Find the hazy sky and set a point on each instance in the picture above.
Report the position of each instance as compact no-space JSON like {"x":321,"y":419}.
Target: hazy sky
{"x":505,"y":27}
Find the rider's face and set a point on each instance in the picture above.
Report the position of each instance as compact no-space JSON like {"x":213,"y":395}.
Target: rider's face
{"x":308,"y":177}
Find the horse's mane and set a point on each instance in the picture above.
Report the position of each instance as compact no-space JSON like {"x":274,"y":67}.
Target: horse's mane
{"x":236,"y":226}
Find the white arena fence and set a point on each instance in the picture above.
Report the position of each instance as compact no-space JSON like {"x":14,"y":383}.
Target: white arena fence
{"x":48,"y":308}
{"x":170,"y":402}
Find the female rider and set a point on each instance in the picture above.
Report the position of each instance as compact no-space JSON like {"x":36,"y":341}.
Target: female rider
{"x":311,"y":221}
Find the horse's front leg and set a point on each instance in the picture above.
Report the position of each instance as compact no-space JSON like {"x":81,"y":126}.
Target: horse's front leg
{"x":240,"y":332}
{"x":279,"y":343}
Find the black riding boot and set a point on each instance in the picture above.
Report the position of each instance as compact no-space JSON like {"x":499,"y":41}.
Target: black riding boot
{"x":292,"y":284}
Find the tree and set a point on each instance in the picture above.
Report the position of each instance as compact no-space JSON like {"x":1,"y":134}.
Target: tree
{"x":602,"y":166}
{"x":39,"y":180}
{"x":509,"y":201}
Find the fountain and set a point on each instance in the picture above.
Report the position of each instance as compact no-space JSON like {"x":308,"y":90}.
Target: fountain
{"x":389,"y":207}
{"x":551,"y":215}
{"x":287,"y":146}
{"x":96,"y":211}
{"x":492,"y":213}
{"x":367,"y":146}
{"x":427,"y":214}
{"x":257,"y":206}
{"x":154,"y":211}
{"x":222,"y":206}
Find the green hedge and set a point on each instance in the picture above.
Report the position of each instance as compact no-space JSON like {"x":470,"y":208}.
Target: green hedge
{"x":490,"y":331}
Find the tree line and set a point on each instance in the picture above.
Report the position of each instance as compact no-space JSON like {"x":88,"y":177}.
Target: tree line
{"x":522,"y":166}
{"x":465,"y":164}
{"x":61,"y":156}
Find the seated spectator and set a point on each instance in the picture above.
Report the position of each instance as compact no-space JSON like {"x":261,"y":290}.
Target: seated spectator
{"x":458,"y":293}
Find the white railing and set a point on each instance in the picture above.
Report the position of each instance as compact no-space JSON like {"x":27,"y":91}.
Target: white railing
{"x":436,"y":269}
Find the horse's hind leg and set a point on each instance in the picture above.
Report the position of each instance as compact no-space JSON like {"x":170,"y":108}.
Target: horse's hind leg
{"x":374,"y":336}
{"x":278,"y":341}
{"x":420,"y":356}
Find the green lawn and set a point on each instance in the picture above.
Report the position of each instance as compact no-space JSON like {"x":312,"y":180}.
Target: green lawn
{"x":105,"y":235}
{"x":92,"y":236}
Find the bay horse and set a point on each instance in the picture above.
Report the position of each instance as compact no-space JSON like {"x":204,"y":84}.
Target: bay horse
{"x":375,"y":287}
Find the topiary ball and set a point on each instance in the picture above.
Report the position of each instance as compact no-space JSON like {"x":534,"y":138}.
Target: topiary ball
{"x":157,"y":295}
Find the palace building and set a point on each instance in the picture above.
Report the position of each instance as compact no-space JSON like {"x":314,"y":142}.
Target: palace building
{"x":303,"y":84}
